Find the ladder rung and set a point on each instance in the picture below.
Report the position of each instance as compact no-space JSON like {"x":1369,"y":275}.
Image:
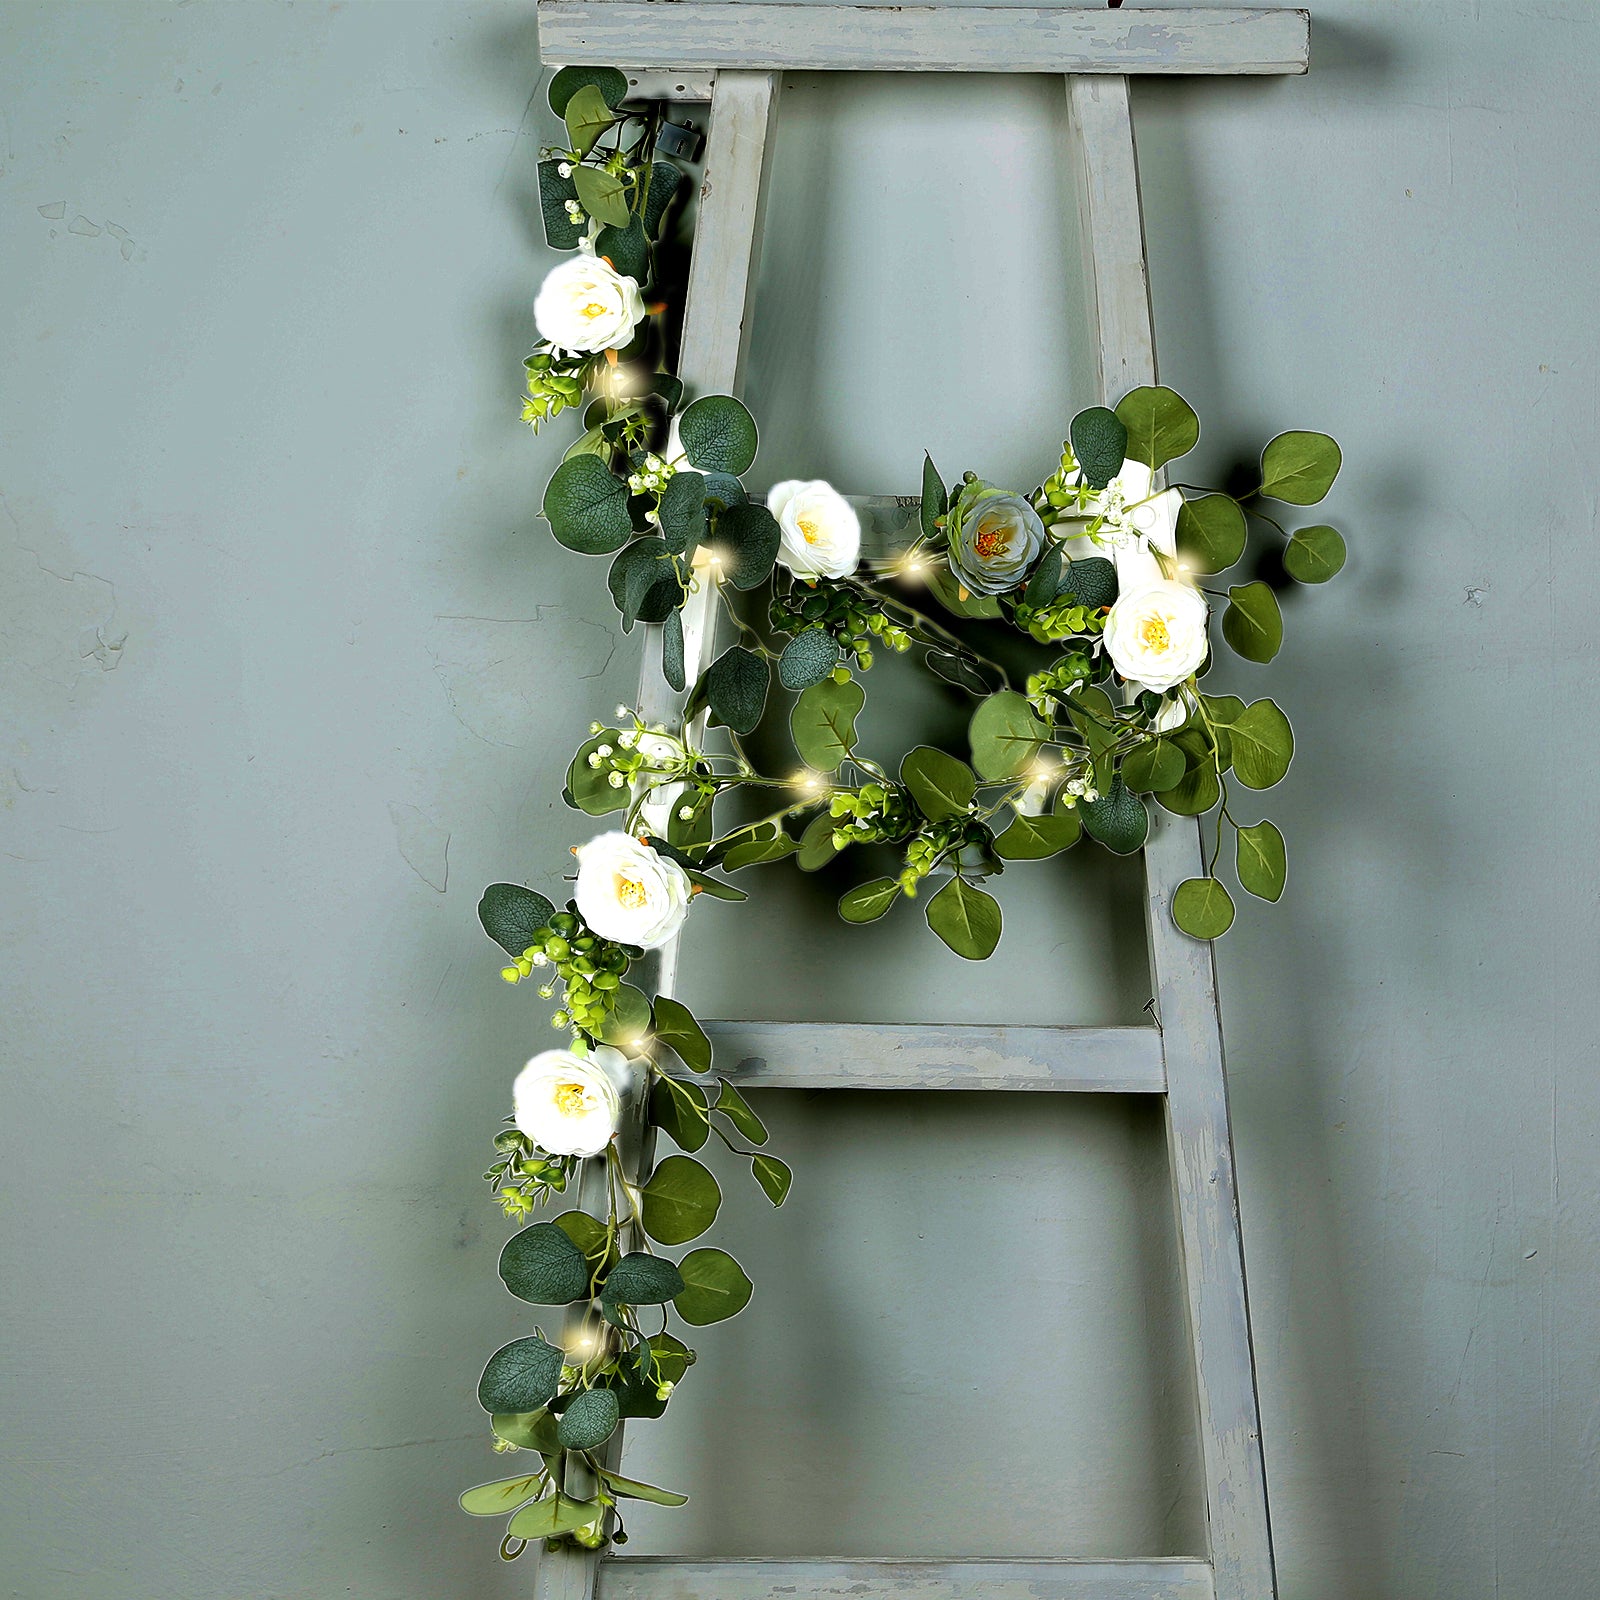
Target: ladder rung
{"x":877,"y":38}
{"x":685,"y":1578}
{"x":833,"y":1055}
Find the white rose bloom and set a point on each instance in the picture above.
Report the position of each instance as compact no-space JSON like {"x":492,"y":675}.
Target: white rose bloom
{"x":627,"y":892}
{"x":570,"y":1105}
{"x":1156,"y":636}
{"x":585,"y":304}
{"x":821,"y":534}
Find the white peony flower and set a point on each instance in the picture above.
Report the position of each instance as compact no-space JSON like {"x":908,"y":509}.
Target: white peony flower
{"x":627,"y":892}
{"x":570,"y":1105}
{"x":1156,"y":636}
{"x":821,"y":533}
{"x":585,"y":304}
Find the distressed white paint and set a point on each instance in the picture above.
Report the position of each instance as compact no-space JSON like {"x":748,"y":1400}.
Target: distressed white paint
{"x":693,"y":36}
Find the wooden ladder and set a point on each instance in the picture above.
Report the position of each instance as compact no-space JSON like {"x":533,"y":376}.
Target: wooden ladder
{"x":733,"y":55}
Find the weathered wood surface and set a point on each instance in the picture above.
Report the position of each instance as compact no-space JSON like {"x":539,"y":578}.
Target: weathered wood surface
{"x":829,"y":1055}
{"x":681,"y":1578}
{"x":721,"y":284}
{"x":691,"y":36}
{"x":1199,"y":1137}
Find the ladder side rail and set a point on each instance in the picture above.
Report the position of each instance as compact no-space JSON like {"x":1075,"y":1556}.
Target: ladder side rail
{"x":1199,"y":1135}
{"x":722,"y":273}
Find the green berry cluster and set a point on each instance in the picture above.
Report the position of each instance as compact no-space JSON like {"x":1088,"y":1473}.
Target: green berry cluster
{"x":1061,"y":618}
{"x":873,"y":812}
{"x":1057,"y":680}
{"x":934,"y":841}
{"x":524,"y":1176}
{"x":589,"y":968}
{"x":628,"y":754}
{"x":853,"y":617}
{"x":1064,"y":492}
{"x":554,"y":383}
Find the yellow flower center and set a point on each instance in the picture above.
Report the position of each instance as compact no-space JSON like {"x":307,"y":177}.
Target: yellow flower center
{"x":572,"y":1099}
{"x":594,"y":309}
{"x":991,"y":540}
{"x":630,"y":892}
{"x":1153,"y":633}
{"x":808,"y":530}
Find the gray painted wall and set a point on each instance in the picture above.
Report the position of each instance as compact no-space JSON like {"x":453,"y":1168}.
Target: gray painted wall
{"x":285,"y":677}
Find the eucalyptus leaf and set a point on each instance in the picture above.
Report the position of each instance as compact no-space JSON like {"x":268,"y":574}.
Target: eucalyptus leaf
{"x":589,"y":788}
{"x":1100,"y":442}
{"x":511,"y":915}
{"x":942,"y":785}
{"x":641,"y":1280}
{"x":527,"y":1430}
{"x":1006,"y":735}
{"x":966,"y":918}
{"x":935,"y":501}
{"x":586,"y":505}
{"x":1091,"y":581}
{"x":1262,"y":860}
{"x":505,"y":1495}
{"x":746,"y":538}
{"x":1161,"y":425}
{"x":632,"y":1489}
{"x":1263,"y":745}
{"x":588,"y":1233}
{"x":626,"y":249}
{"x":1313,"y":555}
{"x":1199,"y":790}
{"x":587,"y":116}
{"x":1118,"y":819}
{"x":1210,"y":533}
{"x":736,"y":688}
{"x":816,"y":843}
{"x":683,"y":512}
{"x":736,"y":1109}
{"x":774,"y":1177}
{"x":590,"y":1420}
{"x":718,"y":435}
{"x":714,"y":1287}
{"x":680,"y":1201}
{"x":541,"y":1264}
{"x":868,"y":901}
{"x":1028,"y":838}
{"x":602,"y":196}
{"x":553,"y":1516}
{"x":628,"y":1021}
{"x":1252,"y":623}
{"x":1155,"y":766}
{"x":662,"y":188}
{"x":676,"y":1028}
{"x":560,"y":231}
{"x":679,"y":1110}
{"x":521,"y":1376}
{"x":610,"y":81}
{"x":1202,"y":908}
{"x":672,"y":664}
{"x":808,"y":658}
{"x":1045,"y":584}
{"x":644,"y":582}
{"x":823,"y":722}
{"x":1299,"y":467}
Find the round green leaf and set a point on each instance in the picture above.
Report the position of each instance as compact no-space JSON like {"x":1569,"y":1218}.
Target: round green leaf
{"x":626,"y":249}
{"x":1161,"y":425}
{"x":718,"y":435}
{"x":552,"y":1516}
{"x":1313,"y":555}
{"x":628,"y":1021}
{"x":823,"y":722}
{"x":808,"y":658}
{"x":496,"y":1499}
{"x":1154,"y":767}
{"x":560,"y":231}
{"x":641,"y":1280}
{"x":1033,"y":838}
{"x":1211,"y":533}
{"x":715,"y":1287}
{"x":1006,"y":736}
{"x":587,"y":116}
{"x":1090,"y":580}
{"x":1196,"y":794}
{"x":1263,"y":745}
{"x":589,"y":788}
{"x":1202,"y":908}
{"x":736,"y":688}
{"x":816,"y":843}
{"x":683,"y":512}
{"x":527,"y":1430}
{"x":588,"y":1233}
{"x":941,"y":784}
{"x":1117,"y":819}
{"x":1299,"y":467}
{"x":967,"y":919}
{"x":677,"y":1029}
{"x":521,"y":1376}
{"x":680,"y":1201}
{"x":679,"y":1110}
{"x":774,"y":1177}
{"x":1262,"y":861}
{"x":868,"y":901}
{"x":1100,"y":442}
{"x":511,"y":915}
{"x":586,"y":505}
{"x":1252,"y":623}
{"x":612,"y":84}
{"x":541,"y":1265}
{"x":747,"y":538}
{"x":590,"y":1420}
{"x":644,"y":582}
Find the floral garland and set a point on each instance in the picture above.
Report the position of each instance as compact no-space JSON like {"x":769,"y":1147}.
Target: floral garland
{"x":1099,"y":569}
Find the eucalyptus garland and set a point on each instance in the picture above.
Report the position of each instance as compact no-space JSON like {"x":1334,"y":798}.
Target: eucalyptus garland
{"x":1106,"y":583}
